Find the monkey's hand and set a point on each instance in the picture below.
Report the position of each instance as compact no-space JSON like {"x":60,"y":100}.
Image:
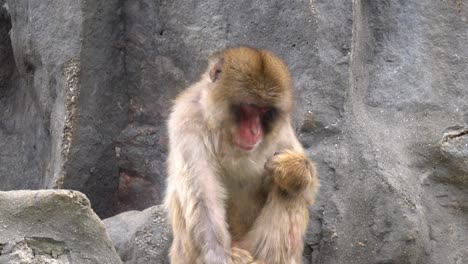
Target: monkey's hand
{"x":240,"y":256}
{"x":293,"y":172}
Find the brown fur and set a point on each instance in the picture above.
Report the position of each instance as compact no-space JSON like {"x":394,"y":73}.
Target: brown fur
{"x":228,"y":205}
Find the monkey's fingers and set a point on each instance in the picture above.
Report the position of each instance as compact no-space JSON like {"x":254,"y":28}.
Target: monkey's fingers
{"x":240,"y":256}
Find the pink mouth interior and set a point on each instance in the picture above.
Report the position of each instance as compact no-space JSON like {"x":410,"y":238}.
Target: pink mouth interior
{"x":250,"y":127}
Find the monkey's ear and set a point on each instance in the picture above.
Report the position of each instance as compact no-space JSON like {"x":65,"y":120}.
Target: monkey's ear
{"x":216,"y":69}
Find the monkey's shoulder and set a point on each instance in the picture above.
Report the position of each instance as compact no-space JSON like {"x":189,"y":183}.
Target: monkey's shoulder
{"x":186,"y":113}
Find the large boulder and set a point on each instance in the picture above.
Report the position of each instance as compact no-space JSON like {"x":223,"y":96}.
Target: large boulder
{"x":52,"y":227}
{"x":141,"y":237}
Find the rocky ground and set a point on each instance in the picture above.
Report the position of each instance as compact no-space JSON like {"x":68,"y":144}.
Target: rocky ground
{"x":382,"y":107}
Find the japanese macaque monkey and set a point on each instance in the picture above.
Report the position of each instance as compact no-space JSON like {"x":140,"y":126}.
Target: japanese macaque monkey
{"x":239,"y":183}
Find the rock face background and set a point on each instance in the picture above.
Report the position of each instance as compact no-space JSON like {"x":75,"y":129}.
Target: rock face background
{"x":382,"y":107}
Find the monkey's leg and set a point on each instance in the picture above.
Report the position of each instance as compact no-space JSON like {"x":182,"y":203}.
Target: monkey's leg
{"x":278,"y":233}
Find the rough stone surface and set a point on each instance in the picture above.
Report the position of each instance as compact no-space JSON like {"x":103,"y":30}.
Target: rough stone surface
{"x":6,"y":51}
{"x":382,"y":108}
{"x":42,"y":37}
{"x":141,"y":236}
{"x":101,"y":107}
{"x":52,"y":227}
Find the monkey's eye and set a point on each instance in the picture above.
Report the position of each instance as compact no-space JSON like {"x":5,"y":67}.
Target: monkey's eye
{"x":268,"y":112}
{"x":264,"y":110}
{"x":269,"y":116}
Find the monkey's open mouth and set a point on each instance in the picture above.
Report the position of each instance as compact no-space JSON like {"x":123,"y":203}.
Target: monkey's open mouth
{"x":250,"y":126}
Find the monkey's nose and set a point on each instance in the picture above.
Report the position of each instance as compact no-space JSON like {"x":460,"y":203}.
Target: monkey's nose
{"x":254,"y":130}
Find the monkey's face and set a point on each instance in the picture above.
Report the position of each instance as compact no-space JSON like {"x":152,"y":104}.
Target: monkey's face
{"x":253,"y":91}
{"x":252,"y":123}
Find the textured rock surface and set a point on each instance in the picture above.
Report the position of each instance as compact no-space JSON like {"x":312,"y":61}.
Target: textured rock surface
{"x":382,"y":107}
{"x":48,"y":227}
{"x":141,"y":237}
{"x":43,"y":39}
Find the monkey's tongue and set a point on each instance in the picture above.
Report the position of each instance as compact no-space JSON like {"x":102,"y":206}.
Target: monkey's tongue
{"x":250,"y":127}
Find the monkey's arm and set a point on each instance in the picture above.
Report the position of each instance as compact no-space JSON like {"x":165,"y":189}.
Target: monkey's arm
{"x":292,"y":184}
{"x":193,"y":181}
{"x":291,"y":169}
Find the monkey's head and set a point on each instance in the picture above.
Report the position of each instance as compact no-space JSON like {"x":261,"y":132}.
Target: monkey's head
{"x":250,"y":95}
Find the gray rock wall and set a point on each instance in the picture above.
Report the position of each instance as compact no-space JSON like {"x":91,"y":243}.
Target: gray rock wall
{"x":382,"y":108}
{"x":100,"y":111}
{"x":44,"y":37}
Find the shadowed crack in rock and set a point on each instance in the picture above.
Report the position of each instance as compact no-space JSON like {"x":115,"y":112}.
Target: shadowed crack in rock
{"x":454,"y":132}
